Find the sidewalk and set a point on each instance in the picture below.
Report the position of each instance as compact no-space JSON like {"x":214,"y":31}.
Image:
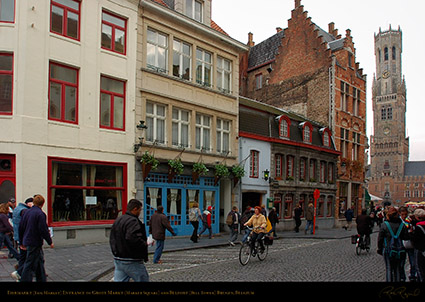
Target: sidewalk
{"x":92,"y":261}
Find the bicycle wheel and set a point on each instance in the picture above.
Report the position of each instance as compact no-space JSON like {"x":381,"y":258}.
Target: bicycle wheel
{"x":358,"y":249}
{"x":262,"y":254}
{"x":244,"y":253}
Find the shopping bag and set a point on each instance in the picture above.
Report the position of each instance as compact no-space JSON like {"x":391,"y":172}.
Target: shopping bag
{"x":151,"y":241}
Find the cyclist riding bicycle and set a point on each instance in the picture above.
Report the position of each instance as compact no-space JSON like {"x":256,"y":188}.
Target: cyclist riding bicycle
{"x":364,"y":226}
{"x":258,"y":223}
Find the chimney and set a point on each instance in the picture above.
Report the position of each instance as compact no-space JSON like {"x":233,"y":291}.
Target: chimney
{"x":251,"y":43}
{"x":278,"y":29}
{"x":332,"y":30}
{"x":297,"y":3}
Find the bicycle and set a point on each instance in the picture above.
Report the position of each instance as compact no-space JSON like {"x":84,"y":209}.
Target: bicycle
{"x":246,"y":252}
{"x":362,"y":244}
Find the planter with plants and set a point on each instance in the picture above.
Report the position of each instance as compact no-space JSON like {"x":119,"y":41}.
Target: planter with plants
{"x":149,"y":162}
{"x":175,"y":167}
{"x":220,"y":171}
{"x":198,"y":169}
{"x":238,"y":172}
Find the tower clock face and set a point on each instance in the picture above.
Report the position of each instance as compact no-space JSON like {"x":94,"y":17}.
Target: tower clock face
{"x":386,"y":74}
{"x":387,"y":131}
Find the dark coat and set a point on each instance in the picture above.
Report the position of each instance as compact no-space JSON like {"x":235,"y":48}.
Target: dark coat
{"x":364,"y":224}
{"x":385,"y":235}
{"x":128,"y":238}
{"x":33,"y":228}
{"x":157,"y":226}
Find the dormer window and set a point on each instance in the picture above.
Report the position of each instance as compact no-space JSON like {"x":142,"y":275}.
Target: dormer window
{"x":194,"y":9}
{"x":326,"y":137}
{"x":284,"y":123}
{"x":307,"y":129}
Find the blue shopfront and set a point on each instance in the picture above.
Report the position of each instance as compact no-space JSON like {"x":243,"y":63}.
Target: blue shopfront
{"x":178,"y":196}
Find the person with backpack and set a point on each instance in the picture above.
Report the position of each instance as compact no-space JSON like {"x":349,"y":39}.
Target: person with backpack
{"x":232,"y":221}
{"x":390,"y":245}
{"x":206,"y":222}
{"x":194,"y":216}
{"x":418,"y":240}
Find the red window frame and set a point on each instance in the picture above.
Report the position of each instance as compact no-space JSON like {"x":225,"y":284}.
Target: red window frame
{"x":64,"y":84}
{"x":278,"y":166}
{"x":283,"y":119}
{"x":123,"y":188}
{"x":14,"y":13}
{"x":288,"y":203}
{"x":303,"y":174}
{"x":290,"y":161}
{"x":66,"y":9}
{"x":326,"y":130}
{"x":112,"y":105}
{"x":9,"y":73}
{"x":253,"y":167}
{"x":114,"y":27}
{"x":310,"y":129}
{"x":9,"y":175}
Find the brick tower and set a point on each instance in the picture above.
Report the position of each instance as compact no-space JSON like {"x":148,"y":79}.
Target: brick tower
{"x":389,"y":144}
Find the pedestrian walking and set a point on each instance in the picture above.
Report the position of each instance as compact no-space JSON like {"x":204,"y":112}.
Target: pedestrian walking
{"x":157,"y":226}
{"x":297,"y":217}
{"x":349,"y":215}
{"x":418,"y":240}
{"x":194,"y":216}
{"x":206,"y":222}
{"x":33,"y":230}
{"x":274,"y":219}
{"x":232,"y":220}
{"x":129,"y":245}
{"x":404,"y":215}
{"x":309,"y":216}
{"x":16,"y":220}
{"x":6,"y":230}
{"x":390,"y":245}
{"x":245,"y":217}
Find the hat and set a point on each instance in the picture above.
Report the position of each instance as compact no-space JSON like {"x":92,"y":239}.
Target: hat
{"x":30,"y":199}
{"x":12,"y":199}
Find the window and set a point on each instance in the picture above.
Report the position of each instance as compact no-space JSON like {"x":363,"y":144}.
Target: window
{"x":7,"y":11}
{"x":223,"y":136}
{"x":326,"y":137}
{"x":303,"y":168}
{"x":345,"y":90}
{"x":386,"y":54}
{"x":155,"y":121}
{"x":83,"y":192}
{"x":322,"y":172}
{"x":203,"y":67}
{"x":253,"y":164}
{"x":284,"y":123}
{"x":356,"y":146}
{"x":113,"y":32}
{"x":330,"y":172}
{"x":290,"y":167}
{"x":383,"y":113}
{"x":157,"y":51}
{"x":182,"y":60}
{"x":7,"y":176}
{"x":329,"y":202}
{"x":6,"y":83}
{"x":393,"y":53}
{"x":278,"y":166}
{"x":288,"y":206}
{"x":224,"y":75}
{"x":203,"y":132}
{"x":65,"y":18}
{"x":307,"y":132}
{"x":312,"y":170}
{"x":356,"y":101}
{"x":112,"y":103}
{"x":63,"y":93}
{"x":258,"y":81}
{"x":180,"y":128}
{"x":389,"y":113}
{"x":194,"y":10}
{"x":344,"y":142}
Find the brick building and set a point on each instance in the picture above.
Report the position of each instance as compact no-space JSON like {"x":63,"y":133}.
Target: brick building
{"x":392,"y":176}
{"x":314,"y":72}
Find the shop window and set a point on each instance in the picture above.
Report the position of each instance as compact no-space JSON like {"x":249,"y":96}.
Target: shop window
{"x":83,"y":192}
{"x":7,"y":177}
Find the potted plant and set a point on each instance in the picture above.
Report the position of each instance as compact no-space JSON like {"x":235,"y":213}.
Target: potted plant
{"x":220,"y":171}
{"x":175,"y":167}
{"x":238,"y":172}
{"x":149,"y":162}
{"x":198,"y":169}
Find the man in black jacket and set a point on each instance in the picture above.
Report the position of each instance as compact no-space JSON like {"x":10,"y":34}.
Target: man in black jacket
{"x":128,"y":245}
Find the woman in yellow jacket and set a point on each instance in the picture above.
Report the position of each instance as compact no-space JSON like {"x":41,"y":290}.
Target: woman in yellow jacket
{"x":258,"y":223}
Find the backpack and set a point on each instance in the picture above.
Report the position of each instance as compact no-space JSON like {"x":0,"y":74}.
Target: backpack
{"x":395,"y":249}
{"x":229,"y":219}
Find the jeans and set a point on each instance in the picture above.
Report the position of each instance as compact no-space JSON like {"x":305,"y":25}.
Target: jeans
{"x":204,"y":227}
{"x":125,"y":269}
{"x":194,"y":236}
{"x":233,"y":233}
{"x":394,"y":267}
{"x":158,"y":250}
{"x":34,"y":264}
{"x":4,"y":238}
{"x":309,"y":223}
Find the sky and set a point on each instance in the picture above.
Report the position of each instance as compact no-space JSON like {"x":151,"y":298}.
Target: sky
{"x":363,"y":18}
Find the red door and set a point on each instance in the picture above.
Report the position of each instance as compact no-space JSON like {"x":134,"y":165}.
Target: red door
{"x":7,"y":177}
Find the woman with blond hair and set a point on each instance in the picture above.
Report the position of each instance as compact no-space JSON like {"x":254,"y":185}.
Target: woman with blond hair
{"x":258,"y":223}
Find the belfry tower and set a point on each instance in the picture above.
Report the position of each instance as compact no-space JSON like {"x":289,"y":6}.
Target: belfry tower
{"x":389,"y":144}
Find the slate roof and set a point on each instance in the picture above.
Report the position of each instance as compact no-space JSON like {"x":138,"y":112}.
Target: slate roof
{"x":267,"y":50}
{"x":414,"y":168}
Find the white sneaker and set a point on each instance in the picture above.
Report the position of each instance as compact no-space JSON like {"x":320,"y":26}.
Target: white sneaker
{"x":15,"y":276}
